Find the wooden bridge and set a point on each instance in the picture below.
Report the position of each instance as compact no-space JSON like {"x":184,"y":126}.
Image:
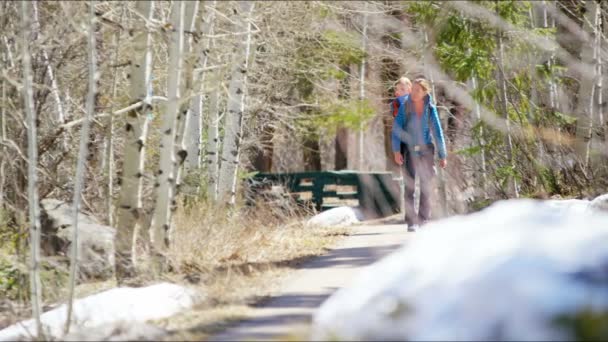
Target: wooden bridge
{"x":378,"y":194}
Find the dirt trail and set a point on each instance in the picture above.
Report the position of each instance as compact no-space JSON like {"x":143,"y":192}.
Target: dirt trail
{"x":289,"y":313}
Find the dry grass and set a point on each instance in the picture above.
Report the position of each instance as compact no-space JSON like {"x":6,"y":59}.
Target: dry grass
{"x":236,"y":258}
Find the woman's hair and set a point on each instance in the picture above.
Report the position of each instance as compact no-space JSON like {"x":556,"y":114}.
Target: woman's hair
{"x":424,"y":84}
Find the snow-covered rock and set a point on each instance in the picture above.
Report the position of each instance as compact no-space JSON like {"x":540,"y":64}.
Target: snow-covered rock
{"x":600,"y":203}
{"x":96,"y":254}
{"x":504,"y":273}
{"x":574,"y":206}
{"x":109,"y":308}
{"x":337,"y":217}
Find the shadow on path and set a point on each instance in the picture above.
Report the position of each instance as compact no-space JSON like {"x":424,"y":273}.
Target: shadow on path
{"x":320,"y":277}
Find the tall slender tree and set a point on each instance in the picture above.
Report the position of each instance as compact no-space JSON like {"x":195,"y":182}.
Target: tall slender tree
{"x":503,"y":105}
{"x":213,"y":135}
{"x":195,"y":128}
{"x":32,"y":179}
{"x":161,"y":220}
{"x":129,"y":207}
{"x":186,"y":93}
{"x":108,"y":158}
{"x":236,"y":106}
{"x":362,"y":83}
{"x":82,"y":155}
{"x":586,"y":94}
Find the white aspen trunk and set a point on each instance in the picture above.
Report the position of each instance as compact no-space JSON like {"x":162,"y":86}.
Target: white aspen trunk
{"x":3,"y":111}
{"x":603,"y":119}
{"x":183,"y":115}
{"x":598,"y":72}
{"x":362,"y":85}
{"x":236,"y":106}
{"x":11,"y":60}
{"x":477,"y":109}
{"x":2,"y":137}
{"x":552,"y":86}
{"x":585,"y":102}
{"x":32,"y":179}
{"x":534,"y":93}
{"x":108,"y":164}
{"x":161,"y":220}
{"x":213,"y":133}
{"x":129,"y":201}
{"x":443,"y":195}
{"x":502,"y":83}
{"x":195,"y":127}
{"x":45,"y":58}
{"x":80,"y":167}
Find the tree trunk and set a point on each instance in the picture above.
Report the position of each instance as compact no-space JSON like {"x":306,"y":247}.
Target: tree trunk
{"x":503,"y":102}
{"x":108,"y":163}
{"x":362,"y":86}
{"x":552,"y":87}
{"x":312,"y":152}
{"x":477,"y":109}
{"x":45,"y":58}
{"x":585,"y":103}
{"x":262,"y":159}
{"x":213,"y":133}
{"x":599,"y":123}
{"x":195,"y":128}
{"x":443,"y":195}
{"x":236,"y":106}
{"x":341,"y":140}
{"x":2,"y":138}
{"x":130,"y":201}
{"x":390,"y":73}
{"x":183,"y":115}
{"x":161,"y":220}
{"x":603,"y":118}
{"x":32,"y":188}
{"x":80,"y":167}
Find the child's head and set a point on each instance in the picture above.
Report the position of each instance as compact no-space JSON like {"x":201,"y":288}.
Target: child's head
{"x":403,"y":86}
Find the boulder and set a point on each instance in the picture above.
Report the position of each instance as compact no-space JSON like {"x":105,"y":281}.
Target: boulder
{"x":96,"y":251}
{"x":517,"y":270}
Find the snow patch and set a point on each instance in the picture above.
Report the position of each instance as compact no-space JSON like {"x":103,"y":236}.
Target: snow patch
{"x":337,"y":217}
{"x":503,"y":273}
{"x":109,"y":307}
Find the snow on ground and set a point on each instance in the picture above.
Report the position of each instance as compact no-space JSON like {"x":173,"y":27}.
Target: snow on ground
{"x":500,"y":274}
{"x":337,"y":217}
{"x":114,"y":306}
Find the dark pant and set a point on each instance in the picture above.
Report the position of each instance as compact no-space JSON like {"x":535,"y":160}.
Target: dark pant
{"x":421,"y":165}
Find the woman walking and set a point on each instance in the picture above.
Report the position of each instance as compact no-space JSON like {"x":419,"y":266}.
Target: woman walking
{"x":415,"y":123}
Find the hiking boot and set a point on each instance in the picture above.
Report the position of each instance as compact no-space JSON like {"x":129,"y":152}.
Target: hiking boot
{"x":412,"y":228}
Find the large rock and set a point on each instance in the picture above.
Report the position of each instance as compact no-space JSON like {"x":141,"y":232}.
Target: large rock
{"x":96,"y":252}
{"x":104,"y":315}
{"x":518,"y":270}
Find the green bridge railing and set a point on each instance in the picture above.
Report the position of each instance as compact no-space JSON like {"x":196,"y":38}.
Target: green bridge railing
{"x":378,"y":193}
